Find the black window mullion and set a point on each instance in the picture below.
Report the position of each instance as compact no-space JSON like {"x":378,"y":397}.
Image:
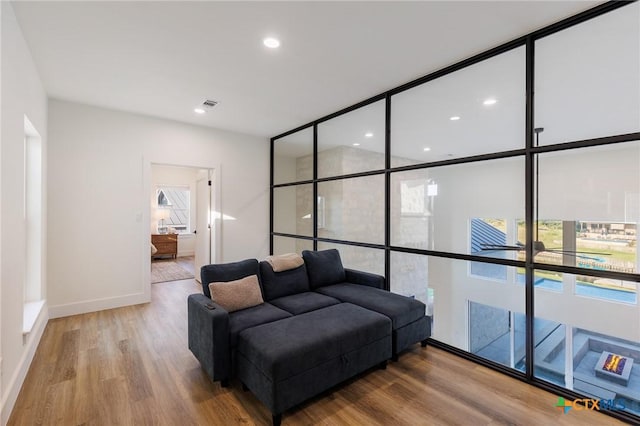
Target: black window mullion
{"x":315,"y":187}
{"x":529,"y":206}
{"x":271,"y":189}
{"x":387,"y":192}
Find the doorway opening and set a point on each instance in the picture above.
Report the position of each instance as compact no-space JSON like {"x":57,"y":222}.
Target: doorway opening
{"x":181,"y":223}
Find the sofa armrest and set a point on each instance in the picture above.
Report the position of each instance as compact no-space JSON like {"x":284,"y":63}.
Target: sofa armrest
{"x":364,"y":278}
{"x":208,"y":331}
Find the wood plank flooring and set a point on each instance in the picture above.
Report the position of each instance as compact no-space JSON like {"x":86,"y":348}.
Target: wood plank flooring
{"x":131,"y":366}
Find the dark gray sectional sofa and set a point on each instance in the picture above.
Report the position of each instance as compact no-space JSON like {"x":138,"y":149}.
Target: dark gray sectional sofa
{"x":319,"y":325}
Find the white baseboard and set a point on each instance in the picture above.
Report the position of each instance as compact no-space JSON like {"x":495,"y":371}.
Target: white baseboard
{"x":87,"y":306}
{"x":17,"y":379}
{"x":186,"y":253}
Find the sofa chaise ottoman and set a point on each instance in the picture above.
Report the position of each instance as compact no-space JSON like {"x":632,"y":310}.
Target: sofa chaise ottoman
{"x":328,"y":277}
{"x":286,"y":362}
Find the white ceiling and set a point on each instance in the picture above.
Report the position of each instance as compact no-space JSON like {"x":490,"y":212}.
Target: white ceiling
{"x":164,"y":58}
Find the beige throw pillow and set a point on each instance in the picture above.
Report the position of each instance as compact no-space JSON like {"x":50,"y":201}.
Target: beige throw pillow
{"x":285,"y":262}
{"x":235,"y":295}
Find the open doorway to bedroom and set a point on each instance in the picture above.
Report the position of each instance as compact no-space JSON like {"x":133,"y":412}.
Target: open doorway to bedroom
{"x":181,"y":229}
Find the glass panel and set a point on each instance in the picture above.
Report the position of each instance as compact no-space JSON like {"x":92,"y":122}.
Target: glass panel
{"x":283,"y":245}
{"x":353,"y":209}
{"x":589,"y":207}
{"x":588,"y":79}
{"x":352,"y":142}
{"x":578,"y":330}
{"x":293,"y":157}
{"x":484,"y":317}
{"x":409,"y":277}
{"x":293,"y":208}
{"x":477,"y":110}
{"x":483,"y":232}
{"x":359,"y":258}
{"x":434,"y":208}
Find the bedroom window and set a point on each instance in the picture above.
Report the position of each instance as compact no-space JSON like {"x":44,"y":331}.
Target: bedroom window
{"x":173,"y":209}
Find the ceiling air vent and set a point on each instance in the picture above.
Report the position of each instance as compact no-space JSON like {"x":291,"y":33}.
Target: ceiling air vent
{"x":209,"y":104}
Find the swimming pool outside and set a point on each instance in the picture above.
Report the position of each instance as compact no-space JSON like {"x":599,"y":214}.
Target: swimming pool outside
{"x":587,"y":289}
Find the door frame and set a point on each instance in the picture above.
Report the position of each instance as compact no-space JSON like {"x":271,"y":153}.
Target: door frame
{"x":143,"y":216}
{"x":214,"y":222}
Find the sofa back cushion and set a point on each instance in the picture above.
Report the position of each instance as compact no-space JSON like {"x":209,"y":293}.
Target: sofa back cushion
{"x":225,"y":272}
{"x":285,"y":283}
{"x":323,"y":267}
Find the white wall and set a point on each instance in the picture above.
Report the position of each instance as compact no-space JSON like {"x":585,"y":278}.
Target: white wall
{"x":163,"y":175}
{"x":22,"y":94}
{"x":99,"y":184}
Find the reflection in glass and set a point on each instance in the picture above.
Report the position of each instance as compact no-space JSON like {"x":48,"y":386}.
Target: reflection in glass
{"x":293,"y":157}
{"x":359,"y":258}
{"x":476,"y":110}
{"x":292,"y":210}
{"x":409,"y":276}
{"x":587,"y":79}
{"x":353,"y":209}
{"x":283,"y":245}
{"x":433,"y":208}
{"x":353,"y":142}
{"x":589,"y":207}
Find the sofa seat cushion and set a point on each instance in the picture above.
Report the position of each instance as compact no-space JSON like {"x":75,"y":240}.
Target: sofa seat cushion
{"x":300,"y":303}
{"x":289,"y":347}
{"x":285,"y":283}
{"x":251,"y":317}
{"x":401,"y":310}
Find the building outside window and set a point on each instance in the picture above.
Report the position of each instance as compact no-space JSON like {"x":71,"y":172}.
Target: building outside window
{"x":173,"y":209}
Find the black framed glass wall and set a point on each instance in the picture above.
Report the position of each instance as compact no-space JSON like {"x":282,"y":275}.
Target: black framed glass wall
{"x":512,"y":218}
{"x":587,"y":86}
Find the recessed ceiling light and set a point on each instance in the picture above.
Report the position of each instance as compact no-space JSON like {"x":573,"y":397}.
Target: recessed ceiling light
{"x":427,"y":149}
{"x":356,"y":144}
{"x":199,"y":111}
{"x":454,"y":118}
{"x":271,"y":43}
{"x":489,"y":101}
{"x":368,"y":135}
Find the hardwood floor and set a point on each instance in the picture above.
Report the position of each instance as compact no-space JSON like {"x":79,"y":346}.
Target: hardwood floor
{"x":131,"y":366}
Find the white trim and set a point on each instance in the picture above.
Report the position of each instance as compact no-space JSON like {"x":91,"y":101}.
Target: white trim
{"x":95,"y":305}
{"x":30,"y":314}
{"x":216,"y":199}
{"x":15,"y":384}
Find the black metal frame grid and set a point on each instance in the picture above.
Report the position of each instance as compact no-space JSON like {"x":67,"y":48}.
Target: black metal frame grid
{"x":529,"y":153}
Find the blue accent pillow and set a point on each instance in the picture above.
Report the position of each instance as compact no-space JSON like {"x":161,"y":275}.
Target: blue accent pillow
{"x":225,"y":272}
{"x":284,"y":283}
{"x":324,"y":267}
